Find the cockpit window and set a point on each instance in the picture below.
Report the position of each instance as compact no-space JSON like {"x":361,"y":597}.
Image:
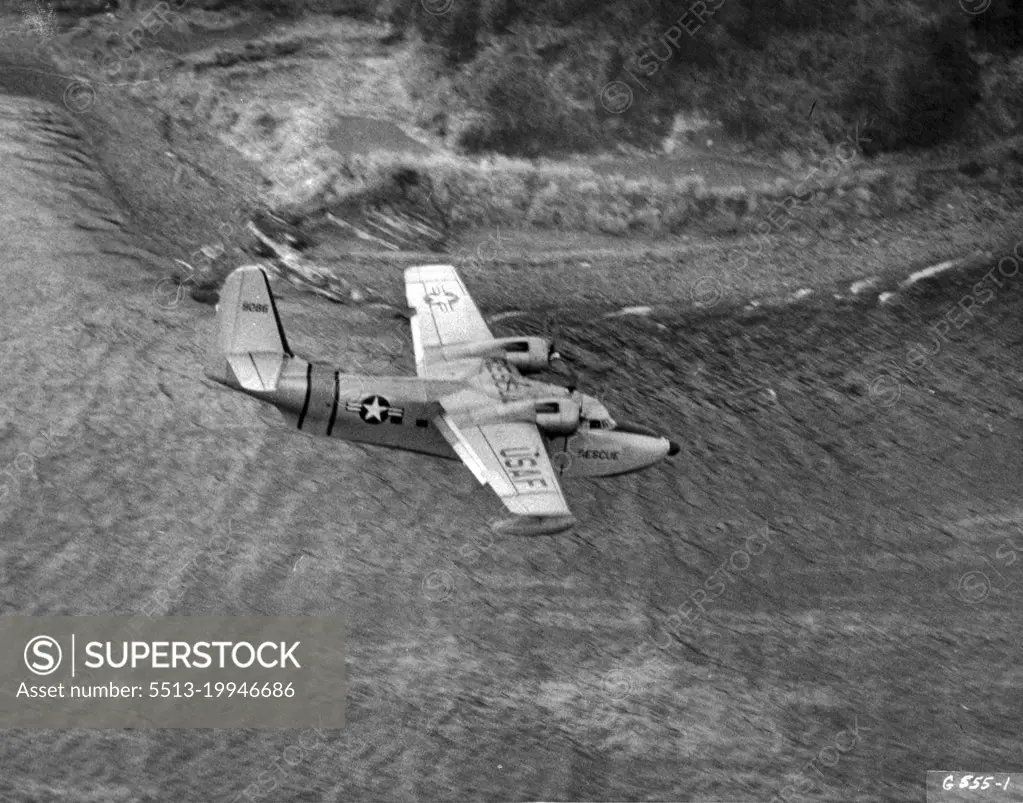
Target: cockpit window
{"x":548,"y":407}
{"x":601,"y":423}
{"x":636,"y":429}
{"x":517,"y":345}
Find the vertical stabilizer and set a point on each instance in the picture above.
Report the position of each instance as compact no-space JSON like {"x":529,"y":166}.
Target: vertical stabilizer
{"x":251,"y":338}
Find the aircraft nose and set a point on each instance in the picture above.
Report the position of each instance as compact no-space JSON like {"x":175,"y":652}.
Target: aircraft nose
{"x":673,"y":448}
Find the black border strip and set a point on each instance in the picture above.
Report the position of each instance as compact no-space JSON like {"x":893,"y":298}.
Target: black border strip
{"x":333,"y":407}
{"x":277,"y":317}
{"x":308,"y":394}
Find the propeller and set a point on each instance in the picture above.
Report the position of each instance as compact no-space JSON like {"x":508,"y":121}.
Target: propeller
{"x":558,"y":363}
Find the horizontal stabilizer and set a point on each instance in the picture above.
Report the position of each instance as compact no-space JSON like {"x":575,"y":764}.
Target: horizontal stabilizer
{"x":257,"y":370}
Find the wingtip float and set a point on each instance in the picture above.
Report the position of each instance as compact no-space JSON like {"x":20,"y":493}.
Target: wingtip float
{"x":533,"y":525}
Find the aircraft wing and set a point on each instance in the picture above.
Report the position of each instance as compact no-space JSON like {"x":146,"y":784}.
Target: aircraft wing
{"x":445,"y":315}
{"x":511,"y":459}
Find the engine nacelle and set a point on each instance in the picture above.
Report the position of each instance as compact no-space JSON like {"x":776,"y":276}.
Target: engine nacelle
{"x":557,"y":416}
{"x":529,"y":355}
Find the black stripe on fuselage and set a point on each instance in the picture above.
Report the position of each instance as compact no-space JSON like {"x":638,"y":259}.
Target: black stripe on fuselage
{"x":308,"y":394}
{"x":333,"y":407}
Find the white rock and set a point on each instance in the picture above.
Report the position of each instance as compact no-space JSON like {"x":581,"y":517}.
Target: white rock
{"x":934,"y":270}
{"x":630,"y":311}
{"x":859,"y":286}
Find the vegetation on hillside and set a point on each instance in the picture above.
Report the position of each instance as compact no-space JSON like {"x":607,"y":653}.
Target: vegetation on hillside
{"x":555,"y":76}
{"x":532,"y":83}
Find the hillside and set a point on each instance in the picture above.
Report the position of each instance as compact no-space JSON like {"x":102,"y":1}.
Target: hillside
{"x":844,"y":425}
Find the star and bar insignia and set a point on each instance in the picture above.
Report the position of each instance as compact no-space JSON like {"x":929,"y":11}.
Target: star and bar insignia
{"x":376,"y":410}
{"x":440,"y":298}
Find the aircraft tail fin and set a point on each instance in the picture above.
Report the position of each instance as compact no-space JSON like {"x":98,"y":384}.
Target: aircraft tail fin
{"x":251,"y":339}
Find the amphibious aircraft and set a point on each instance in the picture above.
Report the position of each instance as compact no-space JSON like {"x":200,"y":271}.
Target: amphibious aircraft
{"x":470,"y":400}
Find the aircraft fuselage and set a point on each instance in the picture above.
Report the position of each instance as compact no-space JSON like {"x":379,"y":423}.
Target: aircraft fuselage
{"x":398,"y":412}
